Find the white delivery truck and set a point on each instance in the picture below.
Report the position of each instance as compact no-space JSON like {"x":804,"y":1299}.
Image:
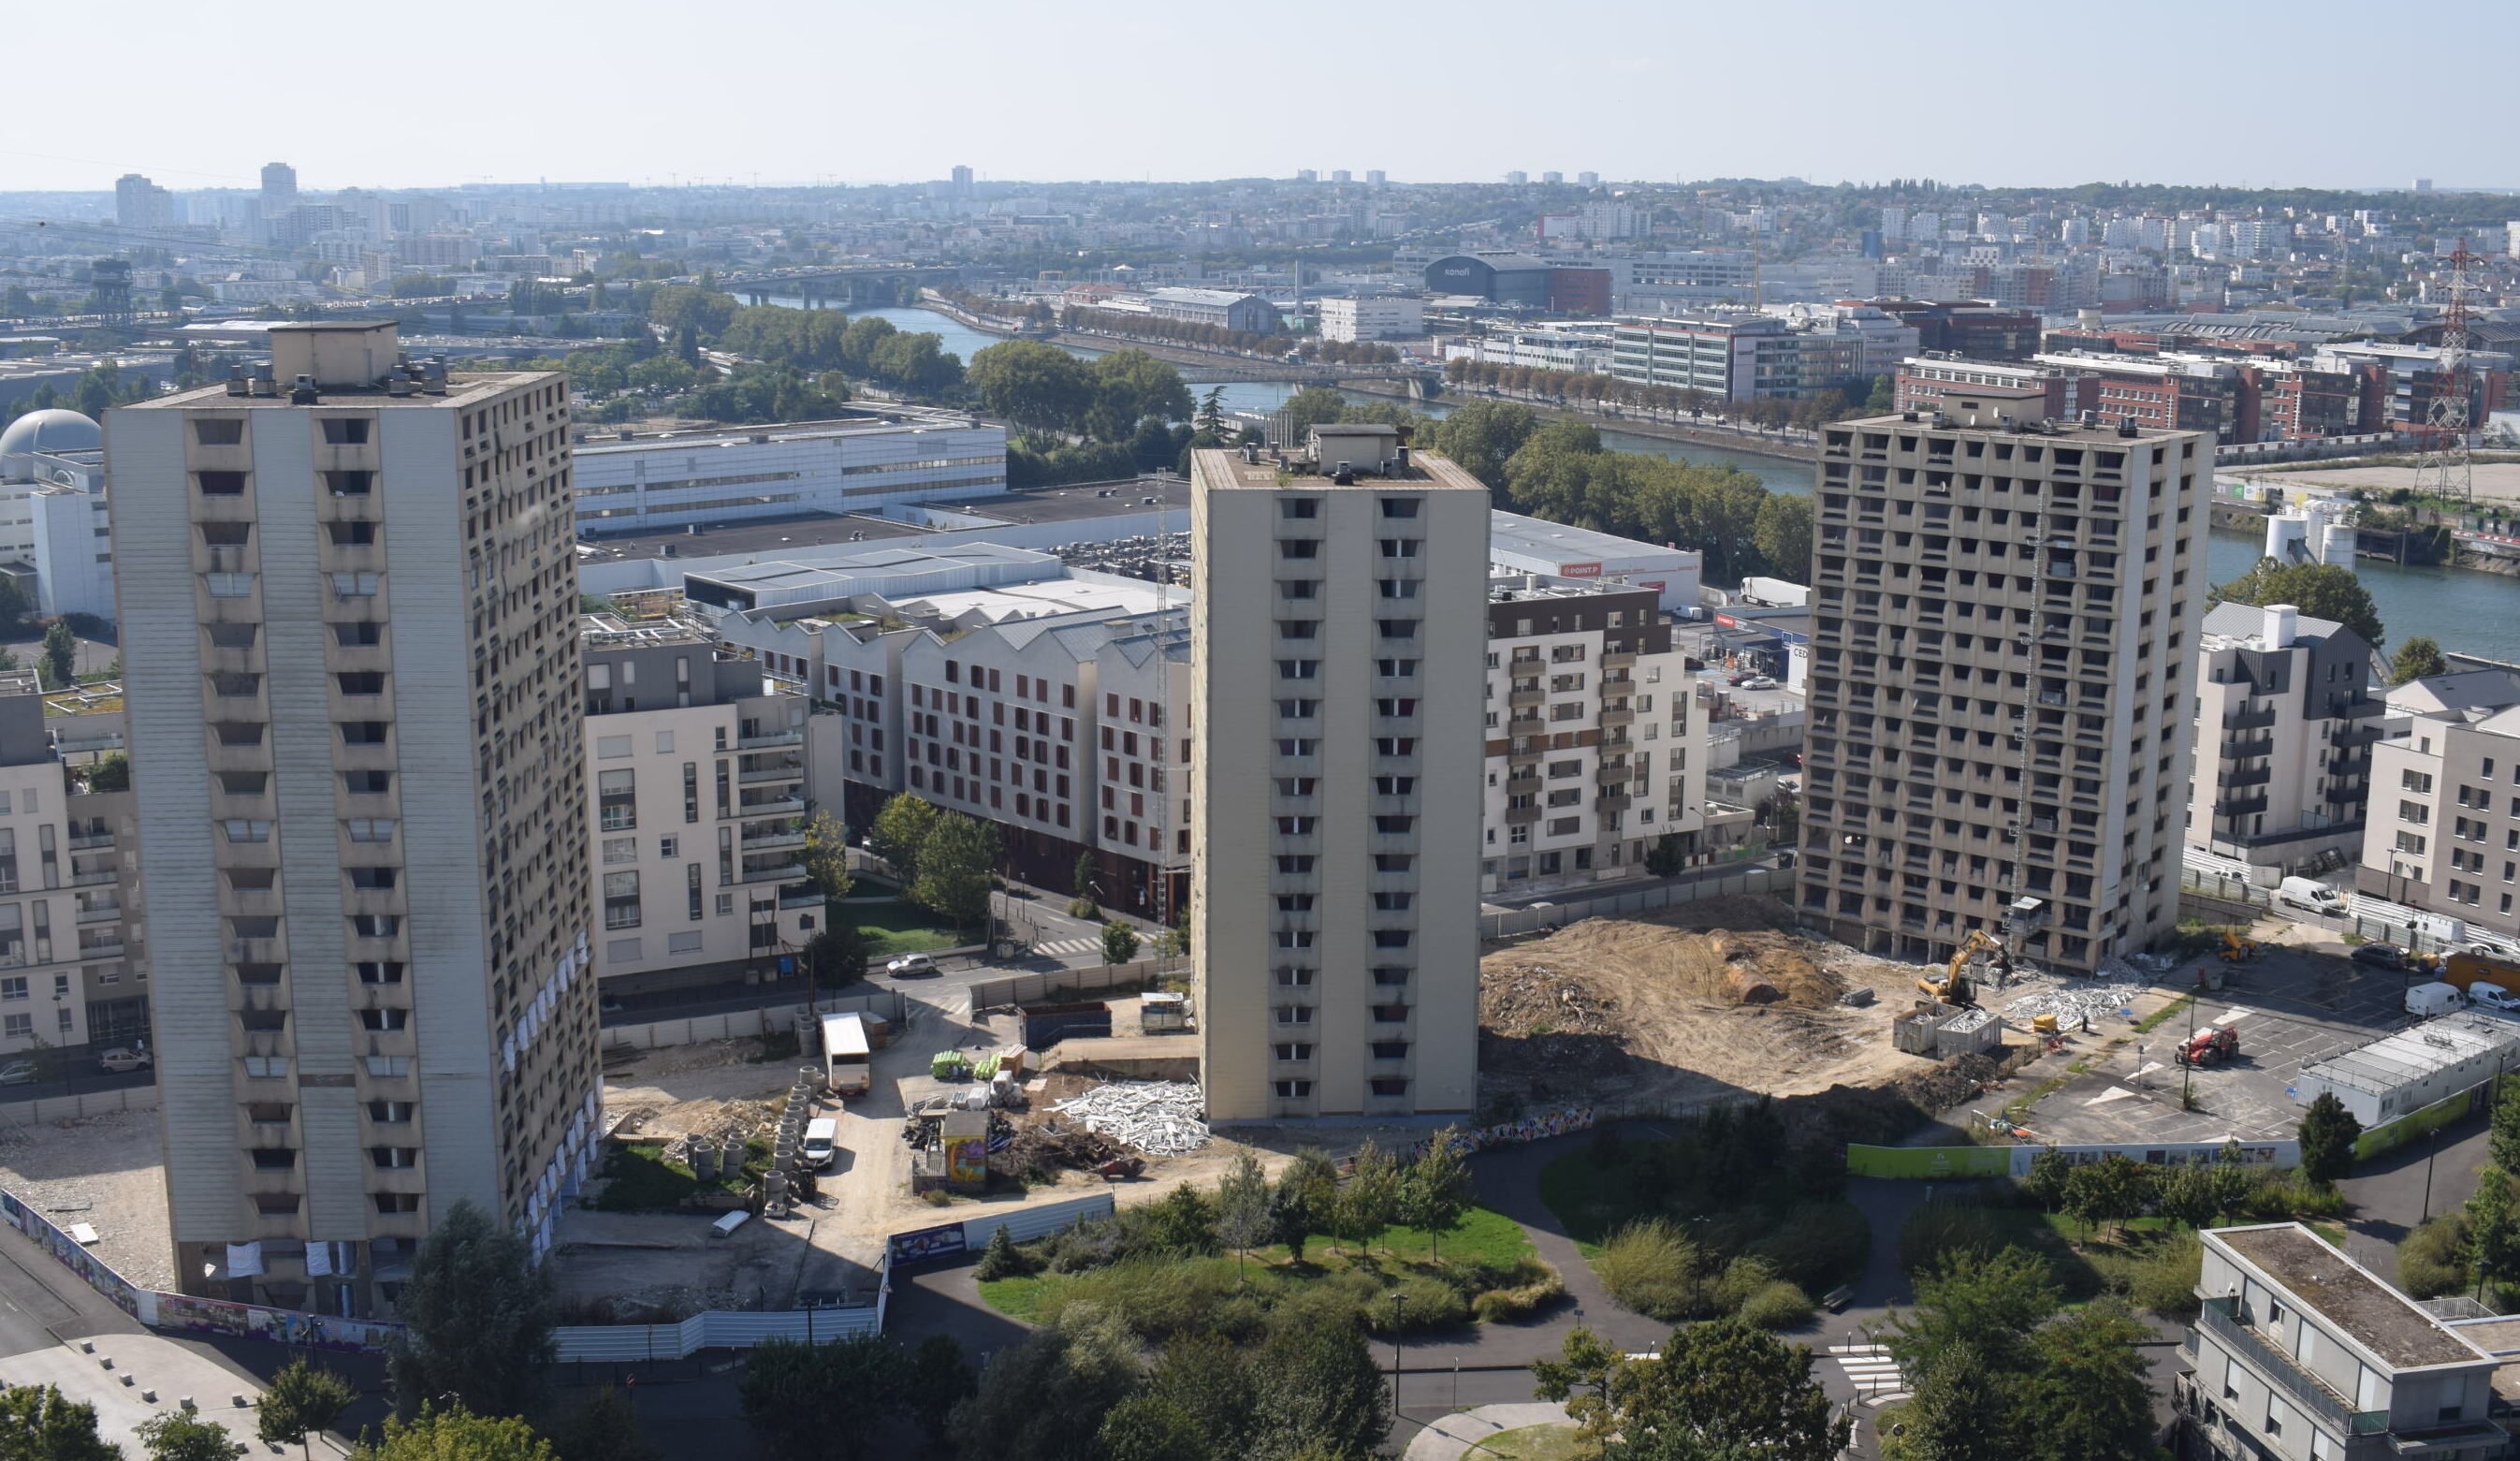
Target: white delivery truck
{"x":845,"y":1068}
{"x":821,"y":1140}
{"x":2311,"y":893}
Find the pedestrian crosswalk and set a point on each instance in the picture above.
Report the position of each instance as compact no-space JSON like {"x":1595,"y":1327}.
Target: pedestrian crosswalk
{"x":1062,"y":948}
{"x":1872,"y":1371}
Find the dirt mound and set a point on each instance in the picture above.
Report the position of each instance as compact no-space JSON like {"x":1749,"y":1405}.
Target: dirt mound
{"x":1702,"y":1001}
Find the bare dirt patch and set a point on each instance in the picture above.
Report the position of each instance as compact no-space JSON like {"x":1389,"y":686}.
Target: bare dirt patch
{"x":104,"y":1170}
{"x":1713,"y":999}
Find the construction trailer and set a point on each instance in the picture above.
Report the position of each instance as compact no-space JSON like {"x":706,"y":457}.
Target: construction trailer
{"x":2399,"y":1074}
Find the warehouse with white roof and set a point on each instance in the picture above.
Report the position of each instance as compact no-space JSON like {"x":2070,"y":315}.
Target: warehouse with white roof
{"x":1517,"y":544}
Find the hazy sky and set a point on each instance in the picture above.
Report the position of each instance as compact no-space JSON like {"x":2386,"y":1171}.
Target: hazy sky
{"x":2303,"y":93}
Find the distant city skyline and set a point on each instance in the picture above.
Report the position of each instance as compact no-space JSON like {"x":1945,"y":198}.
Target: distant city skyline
{"x":1839,"y":98}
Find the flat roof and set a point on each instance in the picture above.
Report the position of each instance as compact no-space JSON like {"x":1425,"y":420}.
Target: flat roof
{"x":746,"y":536}
{"x":461,"y":390}
{"x":2345,"y":1294}
{"x":2059,"y":429}
{"x":1538,"y":537}
{"x":1225,"y":471}
{"x":2417,"y":1052}
{"x":597,"y":445}
{"x":1078,"y":503}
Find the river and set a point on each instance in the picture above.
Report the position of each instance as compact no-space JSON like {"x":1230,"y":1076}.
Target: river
{"x":2478,"y":614}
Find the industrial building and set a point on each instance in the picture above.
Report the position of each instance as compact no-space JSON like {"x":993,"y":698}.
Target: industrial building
{"x":1336,"y":652}
{"x":1518,"y":544}
{"x":632,"y":483}
{"x":2001,"y":691}
{"x":1502,"y":278}
{"x":1376,"y":317}
{"x":2402,"y":1074}
{"x":55,"y":536}
{"x":348,"y":606}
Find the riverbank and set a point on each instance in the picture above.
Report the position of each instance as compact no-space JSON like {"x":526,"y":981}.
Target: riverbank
{"x":1746,"y":442}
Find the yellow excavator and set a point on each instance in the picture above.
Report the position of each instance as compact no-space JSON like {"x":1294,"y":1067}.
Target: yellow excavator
{"x":2237,"y":947}
{"x":1953,"y":986}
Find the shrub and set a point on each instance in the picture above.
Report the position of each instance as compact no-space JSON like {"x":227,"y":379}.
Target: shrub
{"x":1506,"y":1304}
{"x":1651,"y":1267}
{"x":2433,"y":1259}
{"x":2276,"y":1196}
{"x":1424,"y":1303}
{"x":1776,"y":1305}
{"x":937,"y":1197}
{"x":1941,"y":1228}
{"x":1817,"y":1245}
{"x":2165,"y":1281}
{"x":1157,"y":1297}
{"x":1002,"y":1260}
{"x":1733,"y":1288}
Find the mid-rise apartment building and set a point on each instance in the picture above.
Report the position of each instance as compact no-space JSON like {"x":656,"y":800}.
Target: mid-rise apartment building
{"x":2284,"y":724}
{"x":2000,"y":684}
{"x":1377,"y":317}
{"x":1336,"y":652}
{"x":74,"y":970}
{"x":349,"y":608}
{"x":1595,"y":752}
{"x":1738,"y":356}
{"x":2302,"y":1353}
{"x":1992,"y":388}
{"x":2443,"y":832}
{"x":696,"y":808}
{"x":632,"y":483}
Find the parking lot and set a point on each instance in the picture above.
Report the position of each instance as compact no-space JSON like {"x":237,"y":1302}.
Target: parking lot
{"x":2295,"y":1005}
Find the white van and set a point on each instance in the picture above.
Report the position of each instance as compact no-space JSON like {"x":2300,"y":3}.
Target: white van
{"x":2435,"y":998}
{"x":822,"y":1139}
{"x":2311,"y":893}
{"x":2494,"y":996}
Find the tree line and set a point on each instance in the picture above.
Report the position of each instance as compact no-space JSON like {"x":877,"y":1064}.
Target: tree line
{"x":1591,"y":387}
{"x":1180,"y":332}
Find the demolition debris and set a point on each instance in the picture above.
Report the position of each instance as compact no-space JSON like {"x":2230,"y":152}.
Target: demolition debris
{"x":1160,"y":1118}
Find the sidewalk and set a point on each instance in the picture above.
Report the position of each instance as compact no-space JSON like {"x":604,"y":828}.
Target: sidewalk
{"x":131,"y":1377}
{"x":1455,"y":1434}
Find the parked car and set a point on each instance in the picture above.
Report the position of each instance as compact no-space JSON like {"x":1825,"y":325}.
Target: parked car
{"x":1760,"y":682}
{"x":1737,"y":677}
{"x":119,"y":1060}
{"x":18,"y":1073}
{"x":910,"y":964}
{"x":2385,"y":955}
{"x":2494,"y":996}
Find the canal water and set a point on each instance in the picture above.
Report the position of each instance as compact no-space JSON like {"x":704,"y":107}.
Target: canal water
{"x":2478,"y":614}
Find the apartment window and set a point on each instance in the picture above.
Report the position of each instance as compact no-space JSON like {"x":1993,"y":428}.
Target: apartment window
{"x":1394,"y":825}
{"x":1298,"y":628}
{"x":1391,"y":975}
{"x":1293,"y":1090}
{"x":1395,"y":745}
{"x":1293,"y":1050}
{"x":396,"y":1203}
{"x":1292,"y":977}
{"x":365,"y":783}
{"x":394,"y":1158}
{"x":609,"y":748}
{"x":363,"y":732}
{"x":1295,"y":1014}
{"x":347,"y":431}
{"x":13,"y":987}
{"x":1300,"y":509}
{"x":226,"y":430}
{"x":390,"y":1113}
{"x":1399,"y":547}
{"x":220,"y":483}
{"x":1390,"y":1085}
{"x":1391,"y":938}
{"x":384,"y":1021}
{"x":1399,"y":588}
{"x":229,"y":586}
{"x":1393,"y":862}
{"x":1400,"y":507}
{"x":1294,"y":590}
{"x":1395,"y":667}
{"x":617,"y":849}
{"x":373,"y":879}
{"x":364,"y":635}
{"x":275,"y":1159}
{"x":356,"y":585}
{"x":375,"y":925}
{"x":1298,"y":670}
{"x":351,"y":535}
{"x":1297,"y":548}
{"x":1298,"y":710}
{"x":691,"y":790}
{"x":1296,"y":745}
{"x":378,"y":972}
{"x":617,"y":800}
{"x":245,"y":830}
{"x":621,"y":899}
{"x":1396,"y":628}
{"x":1295,"y":862}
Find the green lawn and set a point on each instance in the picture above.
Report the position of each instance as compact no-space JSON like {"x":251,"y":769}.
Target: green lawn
{"x":899,"y":928}
{"x":1589,"y":1200}
{"x":1483,"y":1238}
{"x":1550,"y":1441}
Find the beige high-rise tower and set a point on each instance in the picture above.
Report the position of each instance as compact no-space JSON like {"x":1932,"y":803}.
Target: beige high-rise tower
{"x":1338,"y":639}
{"x":2004,"y":646}
{"x":348,"y":601}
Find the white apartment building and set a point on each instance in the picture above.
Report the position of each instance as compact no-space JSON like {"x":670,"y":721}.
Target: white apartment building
{"x":2002,"y":685}
{"x":633,"y":484}
{"x":53,"y":511}
{"x":2300,"y":1353}
{"x":696,"y":808}
{"x":2443,"y":832}
{"x":2284,"y":725}
{"x":1374,"y":317}
{"x":1594,"y":750}
{"x":74,"y":969}
{"x":350,"y":611}
{"x":1337,"y":645}
{"x":1736,"y":355}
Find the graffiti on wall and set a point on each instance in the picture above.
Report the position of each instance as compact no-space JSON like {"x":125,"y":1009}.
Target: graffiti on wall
{"x":254,"y":1321}
{"x":70,"y":1253}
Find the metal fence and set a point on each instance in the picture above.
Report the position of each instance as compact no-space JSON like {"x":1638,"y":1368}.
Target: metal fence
{"x":2225,"y":889}
{"x":32,"y":1108}
{"x":1034,"y":989}
{"x":717,"y":1329}
{"x":1768,"y":882}
{"x":737,"y":1024}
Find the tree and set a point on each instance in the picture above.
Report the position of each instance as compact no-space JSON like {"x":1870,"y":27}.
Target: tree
{"x":1129,"y":386}
{"x":2319,"y":590}
{"x":1370,"y":1201}
{"x":111,"y":772}
{"x":1083,"y":877}
{"x":1312,"y":406}
{"x":13,"y":603}
{"x":458,"y":1435}
{"x":939,"y":1379}
{"x":2050,"y":1170}
{"x":956,"y":869}
{"x":605,"y":1426}
{"x":1667,"y":855}
{"x":1481,"y":436}
{"x":61,"y":655}
{"x":302,"y":1400}
{"x":900,"y":830}
{"x":1987,"y":1303}
{"x":814,"y":1402}
{"x":1436,"y":1191}
{"x":1720,"y":1390}
{"x":1244,"y":1219}
{"x":1316,"y":1390}
{"x":2089,"y":1399}
{"x":2110,"y":1189}
{"x":1210,"y":420}
{"x":2493,"y":1230}
{"x":1045,"y":1399}
{"x":185,"y":1436}
{"x":827,"y":853}
{"x":1119,"y":943}
{"x":839,"y":955}
{"x":2421,"y":655}
{"x":1959,"y":1412}
{"x":38,"y":1423}
{"x":1306,"y":1199}
{"x":1034,"y":385}
{"x":2502,"y":1144}
{"x":1782,"y":532}
{"x":2328,"y":1134}
{"x":478,"y":1319}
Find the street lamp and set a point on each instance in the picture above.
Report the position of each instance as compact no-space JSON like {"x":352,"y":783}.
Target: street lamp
{"x":1395,"y":1351}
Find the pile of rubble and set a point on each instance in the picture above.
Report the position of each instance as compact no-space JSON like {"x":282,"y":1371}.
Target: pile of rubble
{"x":2070,"y":1004}
{"x":1160,"y":1118}
{"x":1049,"y":1145}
